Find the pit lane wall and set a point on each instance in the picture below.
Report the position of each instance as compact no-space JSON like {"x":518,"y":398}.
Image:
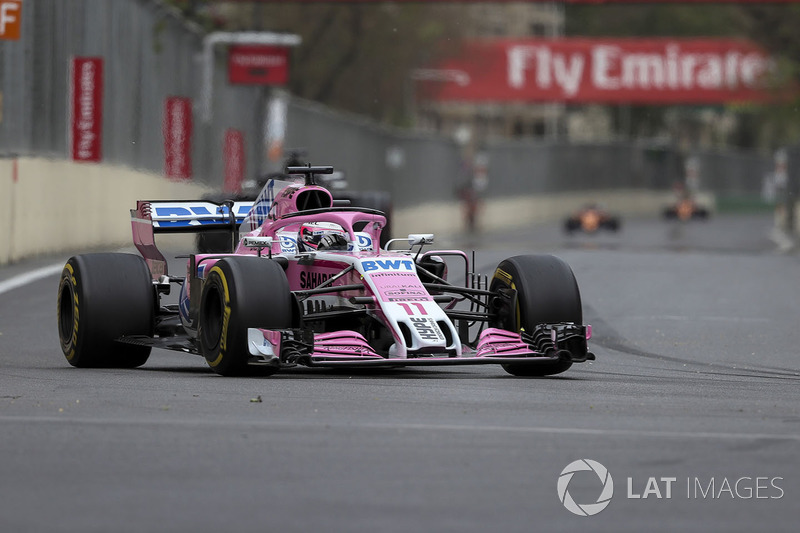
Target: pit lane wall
{"x":50,"y":207}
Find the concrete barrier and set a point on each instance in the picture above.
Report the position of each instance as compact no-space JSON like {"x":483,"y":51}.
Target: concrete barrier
{"x":49,"y":206}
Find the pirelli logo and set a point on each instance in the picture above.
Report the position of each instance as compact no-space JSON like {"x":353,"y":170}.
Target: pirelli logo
{"x":10,"y":19}
{"x":503,"y":276}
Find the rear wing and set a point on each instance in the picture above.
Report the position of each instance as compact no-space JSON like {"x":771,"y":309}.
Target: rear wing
{"x":190,"y":216}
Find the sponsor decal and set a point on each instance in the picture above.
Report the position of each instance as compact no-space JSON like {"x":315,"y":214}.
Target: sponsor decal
{"x":387,"y":264}
{"x":233,"y":153}
{"x":427,"y":329}
{"x":405,"y":275}
{"x":261,"y":207}
{"x":607,"y":70}
{"x":364,"y":241}
{"x":503,"y":276}
{"x":288,"y":244}
{"x":309,"y":280}
{"x":258,"y":65}
{"x":10,"y":19}
{"x":177,"y":130}
{"x":406,"y":292}
{"x":87,"y":109}
{"x":413,"y":294}
{"x":206,"y":213}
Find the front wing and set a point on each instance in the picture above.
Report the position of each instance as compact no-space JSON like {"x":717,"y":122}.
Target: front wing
{"x":548,"y":343}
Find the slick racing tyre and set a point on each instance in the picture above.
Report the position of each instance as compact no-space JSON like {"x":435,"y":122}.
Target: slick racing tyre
{"x":241,"y":293}
{"x":612,"y":224}
{"x":102,"y":297}
{"x":546,"y":293}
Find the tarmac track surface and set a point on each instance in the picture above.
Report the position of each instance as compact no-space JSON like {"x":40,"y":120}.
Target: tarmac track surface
{"x":697,"y":378}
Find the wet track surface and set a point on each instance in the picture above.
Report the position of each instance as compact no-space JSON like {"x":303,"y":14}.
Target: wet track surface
{"x":697,"y":378}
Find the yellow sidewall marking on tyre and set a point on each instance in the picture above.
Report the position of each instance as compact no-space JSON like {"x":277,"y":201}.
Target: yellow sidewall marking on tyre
{"x":503,"y":276}
{"x":226,"y":315}
{"x":76,"y":313}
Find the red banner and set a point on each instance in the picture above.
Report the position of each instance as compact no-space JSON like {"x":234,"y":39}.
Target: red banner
{"x":258,"y":65}
{"x":177,"y":131}
{"x":10,"y":19}
{"x":642,"y":71}
{"x":86,"y":108}
{"x":234,"y":157}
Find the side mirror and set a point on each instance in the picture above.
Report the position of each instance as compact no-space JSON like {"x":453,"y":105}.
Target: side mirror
{"x":257,"y":242}
{"x":420,"y":238}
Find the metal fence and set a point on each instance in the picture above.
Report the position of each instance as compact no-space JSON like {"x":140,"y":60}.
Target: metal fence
{"x":150,"y":53}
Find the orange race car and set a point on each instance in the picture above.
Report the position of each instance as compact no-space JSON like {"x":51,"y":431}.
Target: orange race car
{"x":591,"y":219}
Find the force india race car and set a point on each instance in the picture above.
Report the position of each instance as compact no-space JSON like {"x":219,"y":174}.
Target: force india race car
{"x":307,"y":284}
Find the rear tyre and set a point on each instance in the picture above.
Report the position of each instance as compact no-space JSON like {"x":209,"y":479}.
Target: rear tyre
{"x":102,"y":297}
{"x":546,"y":293}
{"x":571,"y":225}
{"x":241,"y":293}
{"x":613,"y":224}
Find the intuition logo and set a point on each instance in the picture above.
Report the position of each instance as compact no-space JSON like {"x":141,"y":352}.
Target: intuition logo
{"x":588,"y":509}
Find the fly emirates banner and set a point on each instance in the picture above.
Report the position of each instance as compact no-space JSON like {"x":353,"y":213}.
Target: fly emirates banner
{"x":645,"y":71}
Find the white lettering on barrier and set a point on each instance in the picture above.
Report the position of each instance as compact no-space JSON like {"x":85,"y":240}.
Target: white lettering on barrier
{"x":613,"y":68}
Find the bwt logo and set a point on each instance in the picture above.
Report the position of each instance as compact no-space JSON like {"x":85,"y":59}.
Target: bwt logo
{"x":389,"y":264}
{"x":586,"y":509}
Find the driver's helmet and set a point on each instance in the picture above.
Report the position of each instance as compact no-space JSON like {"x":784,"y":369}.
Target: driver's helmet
{"x":321,"y":236}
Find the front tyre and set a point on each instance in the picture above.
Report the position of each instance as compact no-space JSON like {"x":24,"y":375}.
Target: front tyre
{"x":102,"y":297}
{"x":547,"y":293}
{"x":241,"y":293}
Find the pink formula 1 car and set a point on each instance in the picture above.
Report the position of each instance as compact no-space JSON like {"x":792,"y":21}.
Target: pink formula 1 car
{"x":307,"y":284}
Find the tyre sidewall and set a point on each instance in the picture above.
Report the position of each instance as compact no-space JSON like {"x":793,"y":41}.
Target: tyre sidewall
{"x":240,"y":293}
{"x":547,"y":293}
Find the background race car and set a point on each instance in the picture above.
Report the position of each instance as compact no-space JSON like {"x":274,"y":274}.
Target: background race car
{"x":591,"y":219}
{"x":686,"y":209}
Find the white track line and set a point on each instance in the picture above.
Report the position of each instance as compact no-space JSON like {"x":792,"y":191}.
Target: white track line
{"x":29,"y":277}
{"x":587,"y":432}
